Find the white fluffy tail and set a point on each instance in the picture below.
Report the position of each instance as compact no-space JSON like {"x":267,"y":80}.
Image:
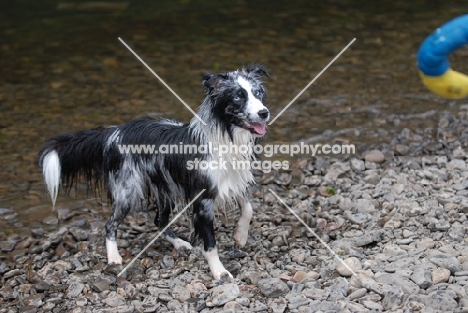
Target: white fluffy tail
{"x":51,"y":171}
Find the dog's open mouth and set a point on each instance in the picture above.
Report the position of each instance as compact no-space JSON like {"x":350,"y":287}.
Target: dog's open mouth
{"x":256,"y":128}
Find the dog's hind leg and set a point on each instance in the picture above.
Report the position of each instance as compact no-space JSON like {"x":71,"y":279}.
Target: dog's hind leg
{"x":125,"y":188}
{"x":118,"y":215}
{"x":162,"y":219}
{"x":242,"y":230}
{"x":203,"y":218}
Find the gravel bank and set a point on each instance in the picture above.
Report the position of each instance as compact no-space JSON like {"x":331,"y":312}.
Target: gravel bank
{"x":399,"y":222}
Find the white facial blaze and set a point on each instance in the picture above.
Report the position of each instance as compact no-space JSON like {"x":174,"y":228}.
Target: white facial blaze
{"x":254,"y":105}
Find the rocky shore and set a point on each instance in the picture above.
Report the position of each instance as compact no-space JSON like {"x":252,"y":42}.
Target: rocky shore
{"x":398,"y":221}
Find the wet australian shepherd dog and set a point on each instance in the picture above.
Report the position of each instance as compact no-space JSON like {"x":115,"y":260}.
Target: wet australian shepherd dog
{"x":233,"y":112}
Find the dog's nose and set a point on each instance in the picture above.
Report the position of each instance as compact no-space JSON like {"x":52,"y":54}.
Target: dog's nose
{"x":264,"y":113}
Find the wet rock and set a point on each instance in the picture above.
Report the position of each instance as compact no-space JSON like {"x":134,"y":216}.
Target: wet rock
{"x":7,"y":246}
{"x":4,"y":268}
{"x":50,"y":220}
{"x":272,"y":287}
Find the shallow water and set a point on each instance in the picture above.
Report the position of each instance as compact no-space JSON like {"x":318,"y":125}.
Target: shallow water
{"x":65,"y":70}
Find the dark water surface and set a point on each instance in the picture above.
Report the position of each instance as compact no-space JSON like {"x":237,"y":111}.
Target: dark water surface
{"x":64,"y":70}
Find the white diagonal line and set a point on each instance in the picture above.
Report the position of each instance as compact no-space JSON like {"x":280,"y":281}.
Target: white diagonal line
{"x":163,"y":82}
{"x":159,"y":234}
{"x":312,"y":81}
{"x":313,"y":233}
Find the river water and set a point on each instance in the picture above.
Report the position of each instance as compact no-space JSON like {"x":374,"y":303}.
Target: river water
{"x":63,"y":69}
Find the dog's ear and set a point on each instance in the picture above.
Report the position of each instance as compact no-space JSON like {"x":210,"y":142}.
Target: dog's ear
{"x":257,"y":68}
{"x":213,"y":82}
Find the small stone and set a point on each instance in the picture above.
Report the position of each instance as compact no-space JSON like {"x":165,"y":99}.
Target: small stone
{"x":371,"y":305}
{"x":79,"y":234}
{"x":100,"y":285}
{"x":28,"y":309}
{"x":446,"y":261}
{"x":114,"y":300}
{"x":232,"y":305}
{"x":440,"y":275}
{"x":50,"y":220}
{"x":401,"y":149}
{"x":365,"y":206}
{"x":7,"y":246}
{"x":75,"y":289}
{"x":180,"y":293}
{"x":41,"y":286}
{"x":374,"y":156}
{"x":353,"y":263}
{"x":299,"y":255}
{"x":224,"y":293}
{"x":12,"y":273}
{"x":272,"y":287}
{"x":442,"y":300}
{"x":37,"y":232}
{"x":277,"y":305}
{"x":300,"y":275}
{"x":422,"y":277}
{"x":358,"y":293}
{"x":34,"y":300}
{"x":357,"y":165}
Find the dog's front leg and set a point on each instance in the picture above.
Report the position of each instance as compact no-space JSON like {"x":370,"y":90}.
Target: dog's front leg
{"x":242,"y":230}
{"x":203,"y":222}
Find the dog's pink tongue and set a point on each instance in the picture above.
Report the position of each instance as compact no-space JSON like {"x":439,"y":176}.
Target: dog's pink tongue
{"x":259,"y":128}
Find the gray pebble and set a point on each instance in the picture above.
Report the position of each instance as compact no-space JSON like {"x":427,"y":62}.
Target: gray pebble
{"x":272,"y":287}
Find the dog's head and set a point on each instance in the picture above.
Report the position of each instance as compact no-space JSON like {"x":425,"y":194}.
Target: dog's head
{"x":237,"y":99}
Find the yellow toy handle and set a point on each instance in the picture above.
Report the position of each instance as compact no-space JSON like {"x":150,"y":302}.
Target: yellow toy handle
{"x":433,"y":64}
{"x":450,"y":85}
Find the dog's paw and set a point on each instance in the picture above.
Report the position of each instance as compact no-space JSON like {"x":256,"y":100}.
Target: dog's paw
{"x":113,"y":255}
{"x":180,"y":244}
{"x":114,"y":259}
{"x":223,"y":275}
{"x":240,"y":237}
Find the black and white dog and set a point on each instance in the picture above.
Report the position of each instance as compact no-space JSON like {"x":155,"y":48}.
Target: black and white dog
{"x":234,"y":113}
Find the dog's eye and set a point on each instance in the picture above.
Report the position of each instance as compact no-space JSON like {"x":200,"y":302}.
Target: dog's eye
{"x":257,"y":93}
{"x":236,"y":98}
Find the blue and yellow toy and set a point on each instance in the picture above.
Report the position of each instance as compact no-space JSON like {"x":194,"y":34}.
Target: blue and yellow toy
{"x":433,"y":64}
